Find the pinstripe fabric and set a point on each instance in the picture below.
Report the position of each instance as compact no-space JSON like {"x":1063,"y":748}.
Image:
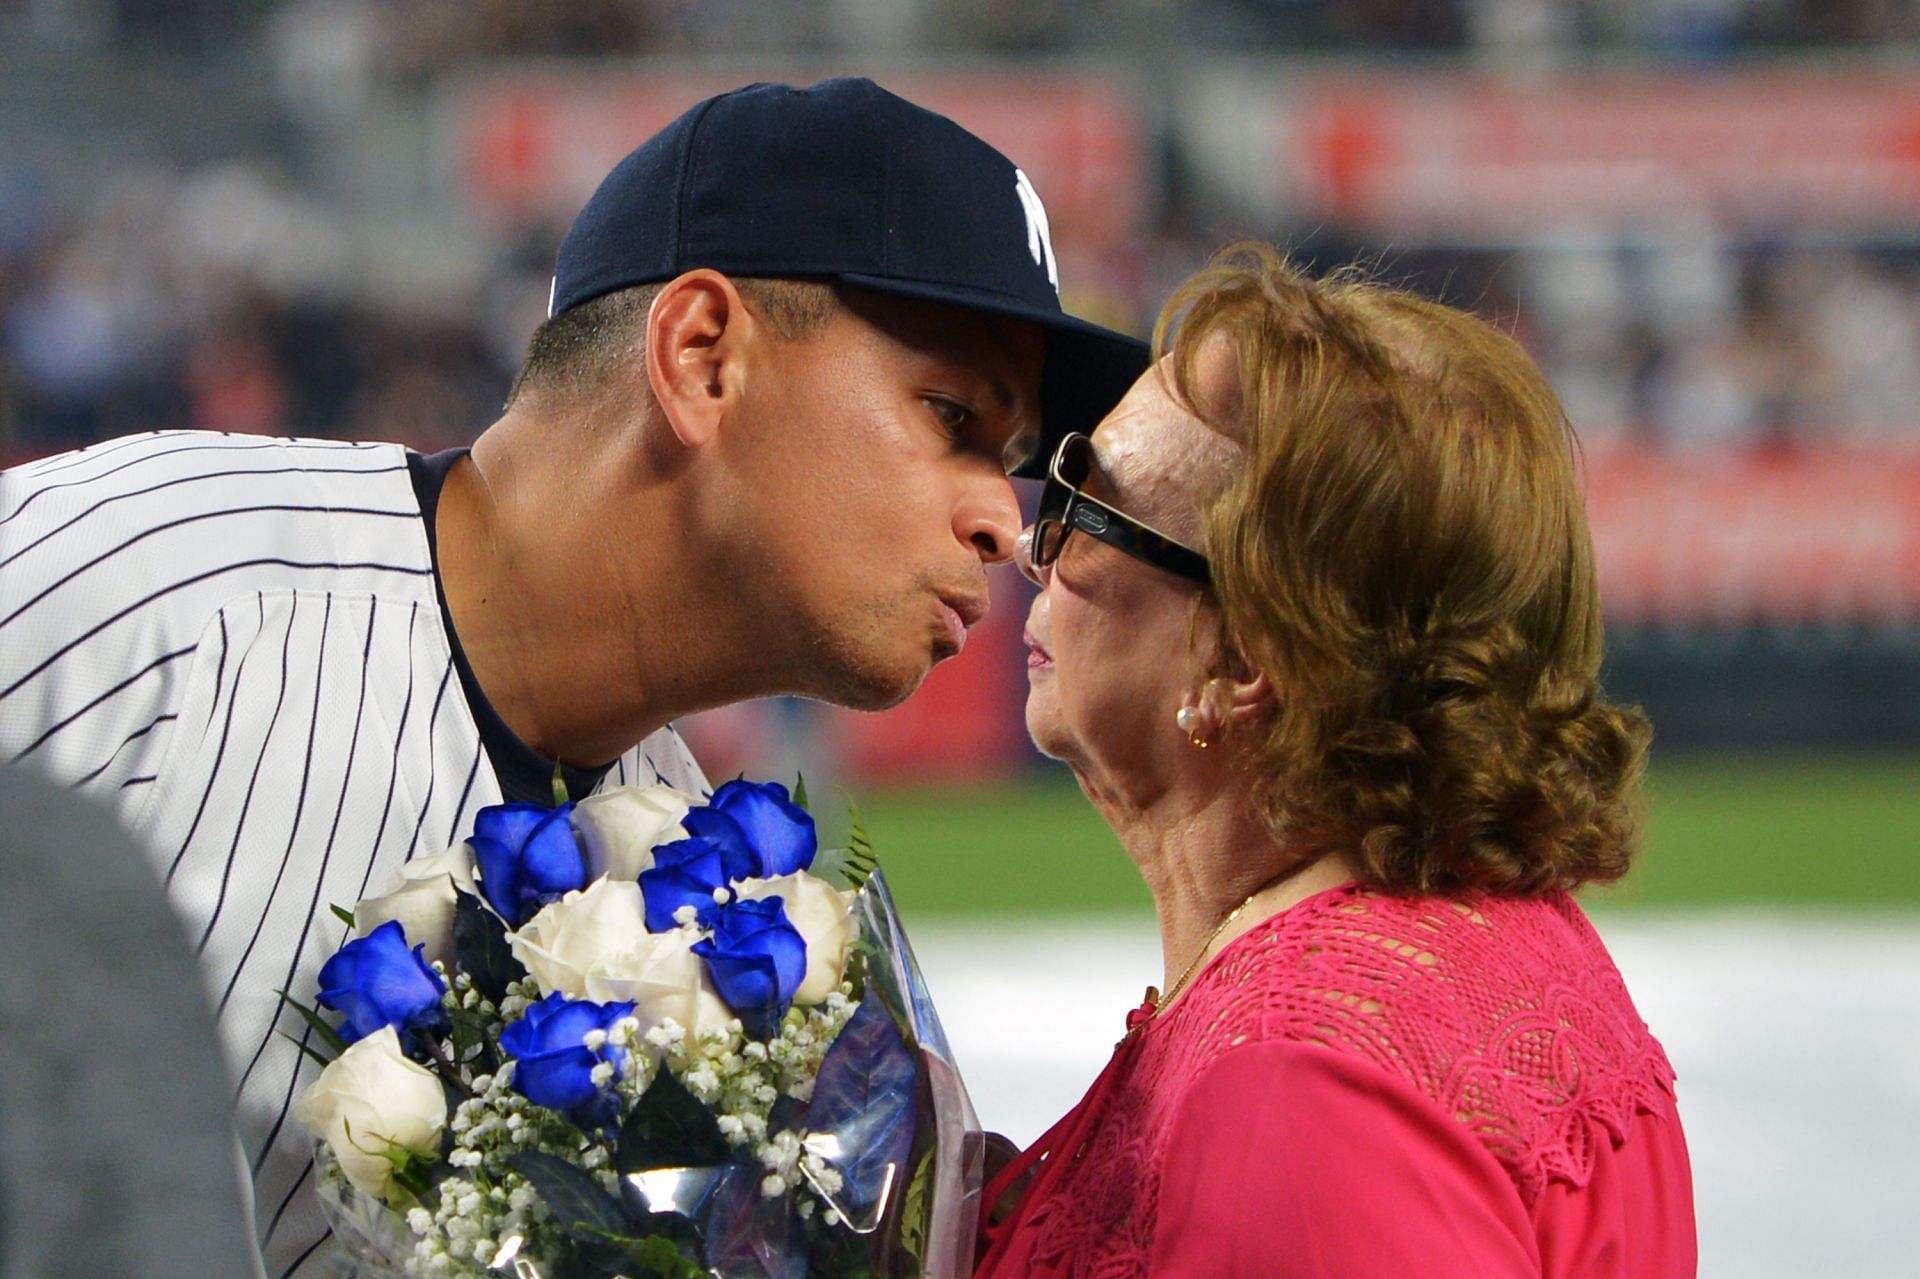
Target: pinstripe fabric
{"x":235,"y":642}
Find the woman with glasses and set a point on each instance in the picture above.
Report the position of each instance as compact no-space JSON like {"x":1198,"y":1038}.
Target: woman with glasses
{"x":1317,"y":634}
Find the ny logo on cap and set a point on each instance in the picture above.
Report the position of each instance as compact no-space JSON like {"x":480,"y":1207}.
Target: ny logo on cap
{"x":1039,"y":241}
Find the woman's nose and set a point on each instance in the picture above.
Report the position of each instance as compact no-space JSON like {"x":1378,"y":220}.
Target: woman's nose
{"x":1023,"y":557}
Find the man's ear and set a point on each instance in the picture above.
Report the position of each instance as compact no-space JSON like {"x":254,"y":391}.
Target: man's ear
{"x":697,"y":332}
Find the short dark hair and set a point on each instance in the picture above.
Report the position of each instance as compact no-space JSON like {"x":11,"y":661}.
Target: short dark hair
{"x":574,"y":351}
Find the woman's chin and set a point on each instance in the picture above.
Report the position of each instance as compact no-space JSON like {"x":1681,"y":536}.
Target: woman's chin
{"x":1044,"y":728}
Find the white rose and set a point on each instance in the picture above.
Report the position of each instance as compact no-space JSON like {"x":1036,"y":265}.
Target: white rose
{"x":621,"y":826}
{"x":594,"y":944}
{"x":822,"y":914}
{"x":369,"y":1100}
{"x":421,"y":896}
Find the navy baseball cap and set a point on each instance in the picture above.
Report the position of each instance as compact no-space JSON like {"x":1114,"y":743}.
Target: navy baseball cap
{"x":847,"y":181}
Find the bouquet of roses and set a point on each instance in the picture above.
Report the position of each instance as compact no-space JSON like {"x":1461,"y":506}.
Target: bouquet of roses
{"x":638,"y":1036}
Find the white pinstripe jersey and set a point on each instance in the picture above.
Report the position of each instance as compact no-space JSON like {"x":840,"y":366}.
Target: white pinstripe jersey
{"x":236,"y":642}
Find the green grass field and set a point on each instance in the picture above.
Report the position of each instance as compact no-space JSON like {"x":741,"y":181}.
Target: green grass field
{"x":1818,"y":831}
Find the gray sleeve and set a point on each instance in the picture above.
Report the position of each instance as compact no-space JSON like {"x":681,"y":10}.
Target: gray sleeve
{"x":117,"y":1154}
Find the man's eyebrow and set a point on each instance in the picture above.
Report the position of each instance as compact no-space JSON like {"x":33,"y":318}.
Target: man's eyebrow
{"x":997,"y":386}
{"x":1002,"y":391}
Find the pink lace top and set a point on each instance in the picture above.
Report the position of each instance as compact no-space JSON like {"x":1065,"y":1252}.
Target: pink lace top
{"x":1368,"y":1085}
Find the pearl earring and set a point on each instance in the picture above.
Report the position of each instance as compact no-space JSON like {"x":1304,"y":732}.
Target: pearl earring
{"x":1188,"y":720}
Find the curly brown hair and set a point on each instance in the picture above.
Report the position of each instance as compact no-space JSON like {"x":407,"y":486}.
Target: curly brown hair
{"x":1405,"y":554}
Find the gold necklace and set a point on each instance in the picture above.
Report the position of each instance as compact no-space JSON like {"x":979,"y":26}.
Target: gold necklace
{"x":1155,"y":1001}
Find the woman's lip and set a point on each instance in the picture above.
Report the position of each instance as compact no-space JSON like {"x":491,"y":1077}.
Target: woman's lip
{"x":1037,"y":655}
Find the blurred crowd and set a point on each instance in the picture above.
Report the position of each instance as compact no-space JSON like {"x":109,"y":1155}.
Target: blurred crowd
{"x":222,"y":294}
{"x":404,"y":37}
{"x":213,"y":299}
{"x":1693,"y":341}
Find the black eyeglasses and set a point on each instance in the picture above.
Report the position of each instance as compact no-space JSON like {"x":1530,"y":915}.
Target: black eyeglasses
{"x":1065,"y":510}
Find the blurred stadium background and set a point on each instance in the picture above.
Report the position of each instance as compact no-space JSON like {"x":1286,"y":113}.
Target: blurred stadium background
{"x":337,"y":217}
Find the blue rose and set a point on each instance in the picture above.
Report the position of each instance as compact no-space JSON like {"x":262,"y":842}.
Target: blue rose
{"x":378,"y":981}
{"x":553,"y":1067}
{"x":686,"y":871}
{"x":527,"y":856}
{"x":757,"y":960}
{"x":779,"y":830}
{"x":715,"y":829}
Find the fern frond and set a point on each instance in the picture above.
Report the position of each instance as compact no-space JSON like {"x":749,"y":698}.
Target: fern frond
{"x":861,"y":861}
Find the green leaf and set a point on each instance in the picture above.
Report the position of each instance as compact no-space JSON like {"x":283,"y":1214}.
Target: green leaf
{"x":344,"y":915}
{"x":587,"y":1212}
{"x":328,"y":1034}
{"x":861,"y":860}
{"x":559,"y":785}
{"x":466,"y":1030}
{"x":669,"y":1128}
{"x":480,"y":947}
{"x":800,"y":791}
{"x":665,"y":1259}
{"x":671,"y":1249}
{"x":411,"y":1168}
{"x":917,"y":1210}
{"x":308,"y":1049}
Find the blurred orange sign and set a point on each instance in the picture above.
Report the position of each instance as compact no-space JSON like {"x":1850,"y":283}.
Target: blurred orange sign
{"x":533,"y":142}
{"x":1475,"y":153}
{"x":1827,"y":536}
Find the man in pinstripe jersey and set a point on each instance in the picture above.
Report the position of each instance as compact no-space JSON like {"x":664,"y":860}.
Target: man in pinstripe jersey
{"x":757,"y":449}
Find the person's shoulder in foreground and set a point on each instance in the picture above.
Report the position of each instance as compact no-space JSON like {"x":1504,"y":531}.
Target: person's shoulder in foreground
{"x":116,"y":1154}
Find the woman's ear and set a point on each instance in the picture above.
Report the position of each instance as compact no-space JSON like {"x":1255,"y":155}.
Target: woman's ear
{"x":1223,"y":703}
{"x":1240,"y":698}
{"x":698,"y":330}
{"x":1238,"y":693}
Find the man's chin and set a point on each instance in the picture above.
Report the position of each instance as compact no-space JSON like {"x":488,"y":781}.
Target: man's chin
{"x":875,"y":686}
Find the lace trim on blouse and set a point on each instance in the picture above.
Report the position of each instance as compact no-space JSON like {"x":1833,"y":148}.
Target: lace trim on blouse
{"x":1508,"y":1014}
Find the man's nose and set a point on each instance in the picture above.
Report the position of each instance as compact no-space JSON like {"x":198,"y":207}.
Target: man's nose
{"x":990,"y":521}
